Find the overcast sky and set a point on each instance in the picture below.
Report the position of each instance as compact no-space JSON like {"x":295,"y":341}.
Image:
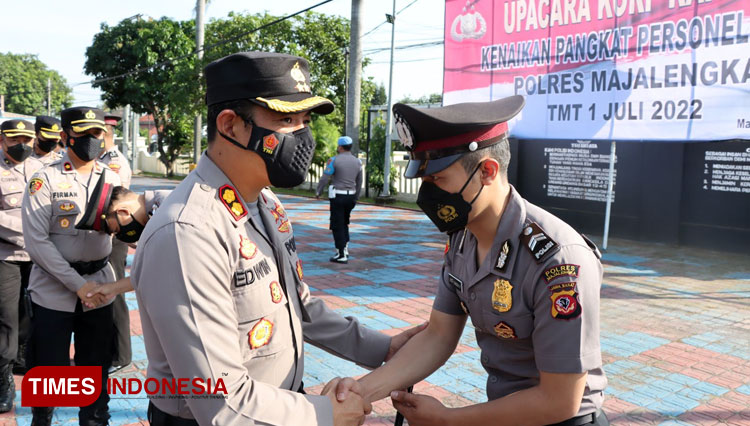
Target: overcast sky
{"x":60,"y":31}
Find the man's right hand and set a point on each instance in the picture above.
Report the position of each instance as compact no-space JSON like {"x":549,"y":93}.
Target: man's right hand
{"x":89,"y":295}
{"x":352,"y":411}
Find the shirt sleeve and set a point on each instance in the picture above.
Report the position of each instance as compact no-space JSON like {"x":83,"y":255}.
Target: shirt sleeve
{"x":343,"y":336}
{"x":11,"y":229}
{"x":447,"y":300}
{"x":326,"y":176}
{"x":36,"y":214}
{"x":189,"y":303}
{"x":359,"y":180}
{"x":566,"y":312}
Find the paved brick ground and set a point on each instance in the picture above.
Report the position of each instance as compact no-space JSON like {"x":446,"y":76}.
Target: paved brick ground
{"x":675,"y":322}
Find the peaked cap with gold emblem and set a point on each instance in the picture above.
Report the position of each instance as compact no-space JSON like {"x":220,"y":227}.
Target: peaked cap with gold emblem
{"x":48,"y":127}
{"x":83,"y":118}
{"x":275,"y":81}
{"x":437,"y":137}
{"x":13,"y":128}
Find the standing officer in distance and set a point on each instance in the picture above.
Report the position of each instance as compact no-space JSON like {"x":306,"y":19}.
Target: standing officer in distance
{"x":69,"y":262}
{"x":47,"y":139}
{"x":16,"y":168}
{"x":112,"y":157}
{"x":219,"y":283}
{"x":346,"y":171}
{"x":529,"y":282}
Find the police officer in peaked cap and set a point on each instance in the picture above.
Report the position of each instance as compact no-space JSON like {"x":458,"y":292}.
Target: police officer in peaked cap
{"x":48,"y":139}
{"x":219,"y":282}
{"x":529,"y":282}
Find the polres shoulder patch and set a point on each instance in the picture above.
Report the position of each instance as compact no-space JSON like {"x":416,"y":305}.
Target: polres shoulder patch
{"x":537,"y":241}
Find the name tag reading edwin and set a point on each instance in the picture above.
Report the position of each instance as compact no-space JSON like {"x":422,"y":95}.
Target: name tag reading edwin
{"x":455,"y":282}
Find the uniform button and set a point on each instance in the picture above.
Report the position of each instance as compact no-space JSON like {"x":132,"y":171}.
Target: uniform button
{"x":485,"y":359}
{"x":205,"y":187}
{"x":493,"y":379}
{"x":473,"y":296}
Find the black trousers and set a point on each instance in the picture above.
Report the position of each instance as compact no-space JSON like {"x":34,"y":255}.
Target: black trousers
{"x":341,"y":210}
{"x":121,"y":351}
{"x":594,"y":419}
{"x":14,"y":318}
{"x":93,"y":333}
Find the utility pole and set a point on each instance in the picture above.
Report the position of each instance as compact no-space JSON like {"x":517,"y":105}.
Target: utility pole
{"x":388,"y":122}
{"x":49,"y":96}
{"x":136,"y":133}
{"x":354,"y":83}
{"x":126,"y":131}
{"x":200,"y":10}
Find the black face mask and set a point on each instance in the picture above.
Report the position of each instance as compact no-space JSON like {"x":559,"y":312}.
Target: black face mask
{"x":19,"y":152}
{"x":86,"y":147}
{"x":287,"y":155}
{"x":448,"y":211}
{"x":46,"y":146}
{"x":131,"y":232}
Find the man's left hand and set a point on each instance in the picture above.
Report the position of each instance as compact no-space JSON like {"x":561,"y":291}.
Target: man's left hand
{"x":420,"y":410}
{"x":400,"y":340}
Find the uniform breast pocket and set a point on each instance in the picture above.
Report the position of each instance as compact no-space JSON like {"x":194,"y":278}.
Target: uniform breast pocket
{"x":262,"y":319}
{"x":509,"y":326}
{"x":64,"y":216}
{"x":12,"y":196}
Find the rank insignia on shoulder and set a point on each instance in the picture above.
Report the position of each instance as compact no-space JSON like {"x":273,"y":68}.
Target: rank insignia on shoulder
{"x":502,"y":297}
{"x":67,"y":167}
{"x":275,"y":292}
{"x":566,"y":270}
{"x":455,"y":282}
{"x":565,"y":303}
{"x":260,"y":334}
{"x":300,"y":273}
{"x":505,"y":331}
{"x":537,"y":241}
{"x":502,"y":257}
{"x":229,"y":198}
{"x":35,"y":184}
{"x":248,"y":249}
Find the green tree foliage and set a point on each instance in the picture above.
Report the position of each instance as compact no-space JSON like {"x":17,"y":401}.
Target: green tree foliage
{"x":166,"y":91}
{"x":435,"y":98}
{"x":376,"y":160}
{"x":23,"y":81}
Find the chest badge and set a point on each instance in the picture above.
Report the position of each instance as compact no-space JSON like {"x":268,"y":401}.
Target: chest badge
{"x":260,"y":335}
{"x":502,"y":258}
{"x":505,"y":331}
{"x":64,"y":222}
{"x":6,"y":172}
{"x":502,"y":299}
{"x":248,"y":249}
{"x":63,"y":185}
{"x":66,"y":207}
{"x":275,"y":292}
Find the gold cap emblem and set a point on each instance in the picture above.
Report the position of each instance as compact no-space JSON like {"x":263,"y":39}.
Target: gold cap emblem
{"x":55,"y":128}
{"x":20,"y":125}
{"x":90,"y":115}
{"x":299,"y":77}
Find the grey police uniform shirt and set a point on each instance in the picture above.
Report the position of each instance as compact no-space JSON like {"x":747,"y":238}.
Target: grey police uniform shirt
{"x":346,"y":172}
{"x":220,"y":300}
{"x":13,"y":180}
{"x":153,"y":199}
{"x":47,"y":158}
{"x":534,"y":301}
{"x":54,"y":201}
{"x":119,"y":164}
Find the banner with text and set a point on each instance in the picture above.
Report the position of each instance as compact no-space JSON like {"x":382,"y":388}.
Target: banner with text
{"x":605,"y":69}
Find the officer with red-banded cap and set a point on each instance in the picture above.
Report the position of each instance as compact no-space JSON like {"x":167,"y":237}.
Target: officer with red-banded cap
{"x":47,"y":139}
{"x":529,"y":282}
{"x":68,"y":262}
{"x":112,"y":157}
{"x":16,"y":168}
{"x":219,"y":283}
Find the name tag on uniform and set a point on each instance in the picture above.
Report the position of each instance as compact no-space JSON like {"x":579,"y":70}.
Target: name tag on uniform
{"x":455,"y":282}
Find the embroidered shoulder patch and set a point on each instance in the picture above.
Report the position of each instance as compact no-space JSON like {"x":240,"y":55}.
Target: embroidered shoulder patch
{"x":565,"y":270}
{"x":565,"y":303}
{"x":537,"y":241}
{"x":229,"y":198}
{"x":35,"y":184}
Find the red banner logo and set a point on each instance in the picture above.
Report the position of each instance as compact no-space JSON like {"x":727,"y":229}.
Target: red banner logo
{"x":61,"y":386}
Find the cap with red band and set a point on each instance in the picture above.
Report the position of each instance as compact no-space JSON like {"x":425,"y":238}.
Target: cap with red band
{"x":437,"y":137}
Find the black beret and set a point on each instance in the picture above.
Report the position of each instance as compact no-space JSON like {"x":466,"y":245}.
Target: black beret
{"x":49,"y":127}
{"x":275,"y":81}
{"x":83,"y":118}
{"x":437,"y":137}
{"x":13,"y":128}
